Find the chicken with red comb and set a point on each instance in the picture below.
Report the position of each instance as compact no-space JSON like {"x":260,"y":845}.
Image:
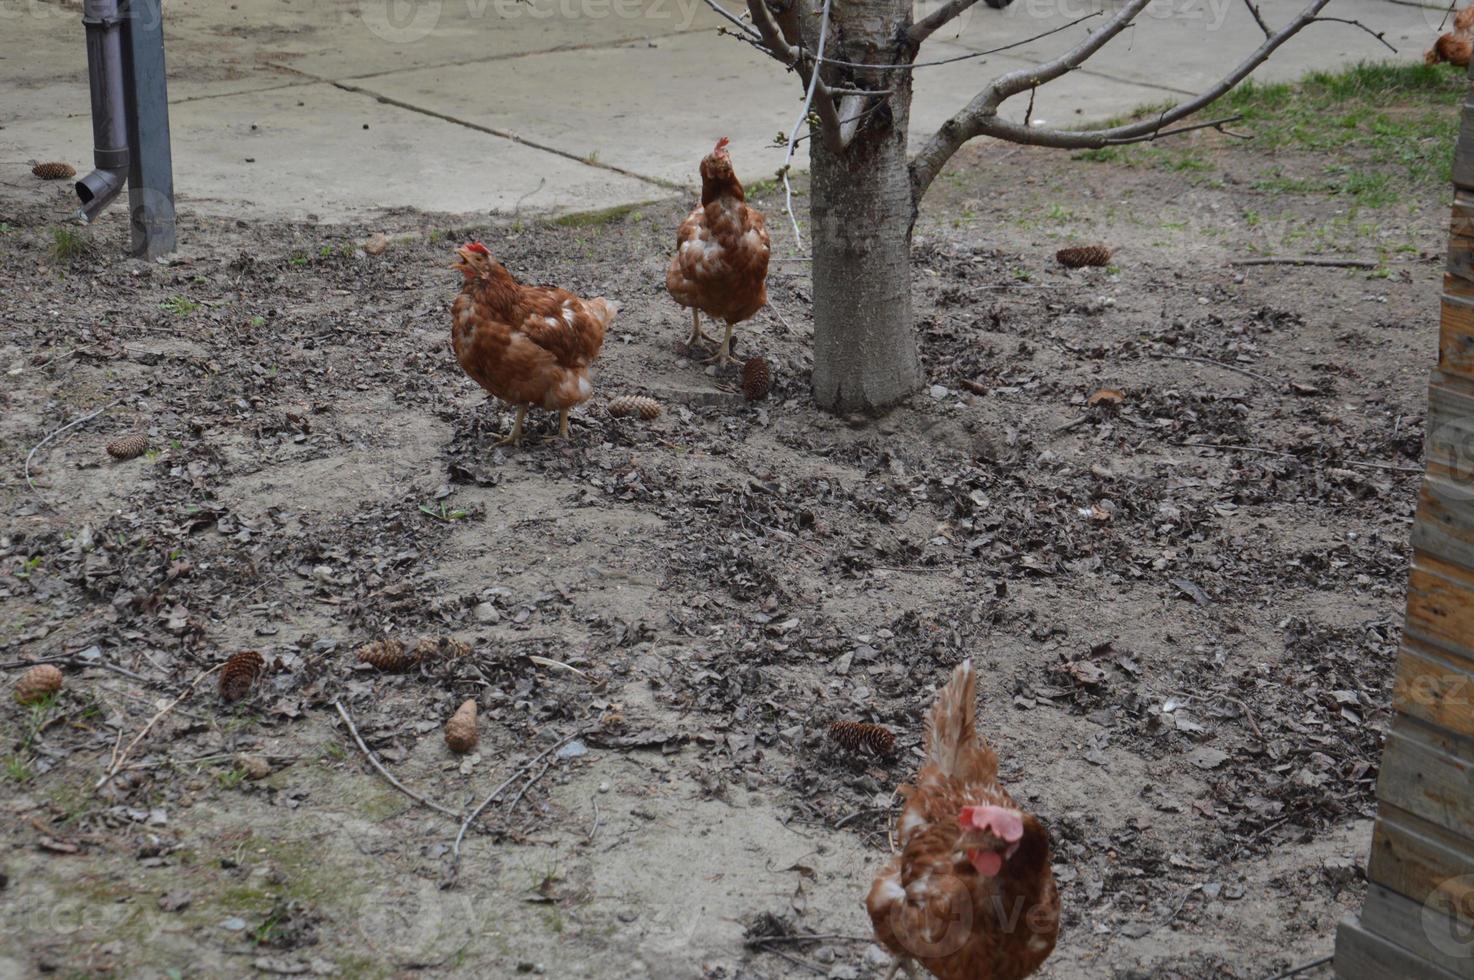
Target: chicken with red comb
{"x":721,"y":263}
{"x":971,"y":895}
{"x":530,"y":346}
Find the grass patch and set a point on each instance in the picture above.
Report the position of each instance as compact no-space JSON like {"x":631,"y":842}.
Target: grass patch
{"x":1376,"y":121}
{"x":69,"y":244}
{"x":589,"y":219}
{"x":179,"y":305}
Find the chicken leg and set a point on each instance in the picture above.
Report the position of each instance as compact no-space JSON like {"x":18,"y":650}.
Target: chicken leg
{"x":901,"y":963}
{"x":723,"y":356}
{"x":697,"y":334}
{"x":563,"y":423}
{"x":515,"y":436}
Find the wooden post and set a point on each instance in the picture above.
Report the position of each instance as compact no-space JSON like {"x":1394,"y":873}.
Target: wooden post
{"x":1418,"y":919}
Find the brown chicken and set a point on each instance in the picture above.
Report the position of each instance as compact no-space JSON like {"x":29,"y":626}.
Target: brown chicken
{"x":971,"y":895}
{"x":527,"y":345}
{"x":721,"y":263}
{"x":1455,"y":46}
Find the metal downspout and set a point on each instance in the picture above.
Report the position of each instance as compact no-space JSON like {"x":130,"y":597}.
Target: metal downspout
{"x":109,"y":116}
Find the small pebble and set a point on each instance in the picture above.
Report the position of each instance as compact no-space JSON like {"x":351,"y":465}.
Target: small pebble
{"x":603,"y":787}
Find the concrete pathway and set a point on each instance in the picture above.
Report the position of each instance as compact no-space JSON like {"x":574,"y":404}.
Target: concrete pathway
{"x":339,"y":108}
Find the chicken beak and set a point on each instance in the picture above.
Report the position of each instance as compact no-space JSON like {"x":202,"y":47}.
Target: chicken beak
{"x":463,"y":258}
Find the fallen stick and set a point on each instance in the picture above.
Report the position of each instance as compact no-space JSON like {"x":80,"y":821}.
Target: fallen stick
{"x":70,"y":425}
{"x":1327,"y":263}
{"x":373,"y":761}
{"x":455,"y":861}
{"x":1363,"y":463}
{"x":120,"y":758}
{"x":1227,"y":367}
{"x":528,"y":785}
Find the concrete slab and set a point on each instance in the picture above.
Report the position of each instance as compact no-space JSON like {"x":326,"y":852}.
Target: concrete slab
{"x":542,"y":101}
{"x":309,"y":153}
{"x":1183,"y":46}
{"x":340,"y":39}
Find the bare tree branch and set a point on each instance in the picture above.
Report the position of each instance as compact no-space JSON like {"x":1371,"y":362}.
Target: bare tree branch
{"x":909,"y":65}
{"x":936,"y":20}
{"x":980,"y":117}
{"x":793,"y":56}
{"x":1258,"y":17}
{"x":804,"y":115}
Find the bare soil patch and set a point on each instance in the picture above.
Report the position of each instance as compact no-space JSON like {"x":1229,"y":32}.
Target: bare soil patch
{"x":1184,"y":601}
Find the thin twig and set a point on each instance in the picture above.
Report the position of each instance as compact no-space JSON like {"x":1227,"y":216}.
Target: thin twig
{"x":907,"y":66}
{"x":1307,"y":260}
{"x":1217,"y":124}
{"x":1295,"y":971}
{"x":861,"y":813}
{"x":73,"y":662}
{"x":455,"y":862}
{"x":809,"y":937}
{"x":803,"y":116}
{"x":374,"y":761}
{"x":70,"y":425}
{"x":1258,"y":18}
{"x":795,"y":960}
{"x":120,"y":758}
{"x":1363,"y":463}
{"x":593,"y":830}
{"x":1356,"y":23}
{"x":528,"y":785}
{"x":1227,"y":367}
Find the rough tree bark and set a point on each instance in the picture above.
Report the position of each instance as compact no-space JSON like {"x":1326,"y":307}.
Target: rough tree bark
{"x":865,"y":194}
{"x":865,"y":353}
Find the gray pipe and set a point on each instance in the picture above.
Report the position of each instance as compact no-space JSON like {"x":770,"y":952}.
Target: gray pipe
{"x":109,"y":118}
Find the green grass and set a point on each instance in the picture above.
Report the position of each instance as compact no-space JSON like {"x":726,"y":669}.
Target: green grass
{"x":179,"y":305}
{"x":69,"y":244}
{"x":1382,"y":128}
{"x":586,"y":219}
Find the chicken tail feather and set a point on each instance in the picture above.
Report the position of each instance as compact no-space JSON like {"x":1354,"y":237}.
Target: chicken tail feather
{"x":951,"y":728}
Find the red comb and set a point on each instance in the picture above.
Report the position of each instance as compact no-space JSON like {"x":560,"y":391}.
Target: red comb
{"x":721,"y":145}
{"x":477,"y":247}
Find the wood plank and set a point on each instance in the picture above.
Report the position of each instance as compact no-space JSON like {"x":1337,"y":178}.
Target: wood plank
{"x":1430,"y":773}
{"x":1457,"y":286}
{"x":1461,"y":219}
{"x":1456,"y":321}
{"x":1361,"y":955}
{"x":1463,"y":169}
{"x":1444,"y":527}
{"x":1450,"y":427}
{"x":1423,"y":862}
{"x":1435,"y":688}
{"x":1426,"y":934}
{"x":1440,"y":604}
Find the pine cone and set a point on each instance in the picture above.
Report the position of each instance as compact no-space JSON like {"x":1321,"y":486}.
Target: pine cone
{"x":1083,"y":255}
{"x":239,"y":674}
{"x":857,"y":735}
{"x":38,"y":684}
{"x":54,"y":171}
{"x":757,"y":378}
{"x":388,"y":655}
{"x":460,"y":731}
{"x":626,"y":405}
{"x":131,"y":446}
{"x":439,"y":648}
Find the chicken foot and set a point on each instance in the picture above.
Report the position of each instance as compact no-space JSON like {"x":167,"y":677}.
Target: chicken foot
{"x":723,"y":356}
{"x":515,"y":436}
{"x":697,"y":334}
{"x":901,"y":963}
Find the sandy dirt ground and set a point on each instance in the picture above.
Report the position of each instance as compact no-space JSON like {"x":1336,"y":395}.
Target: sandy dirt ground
{"x":1183,"y":595}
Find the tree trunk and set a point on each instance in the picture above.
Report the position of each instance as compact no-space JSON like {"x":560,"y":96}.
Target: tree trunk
{"x":865,"y":353}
